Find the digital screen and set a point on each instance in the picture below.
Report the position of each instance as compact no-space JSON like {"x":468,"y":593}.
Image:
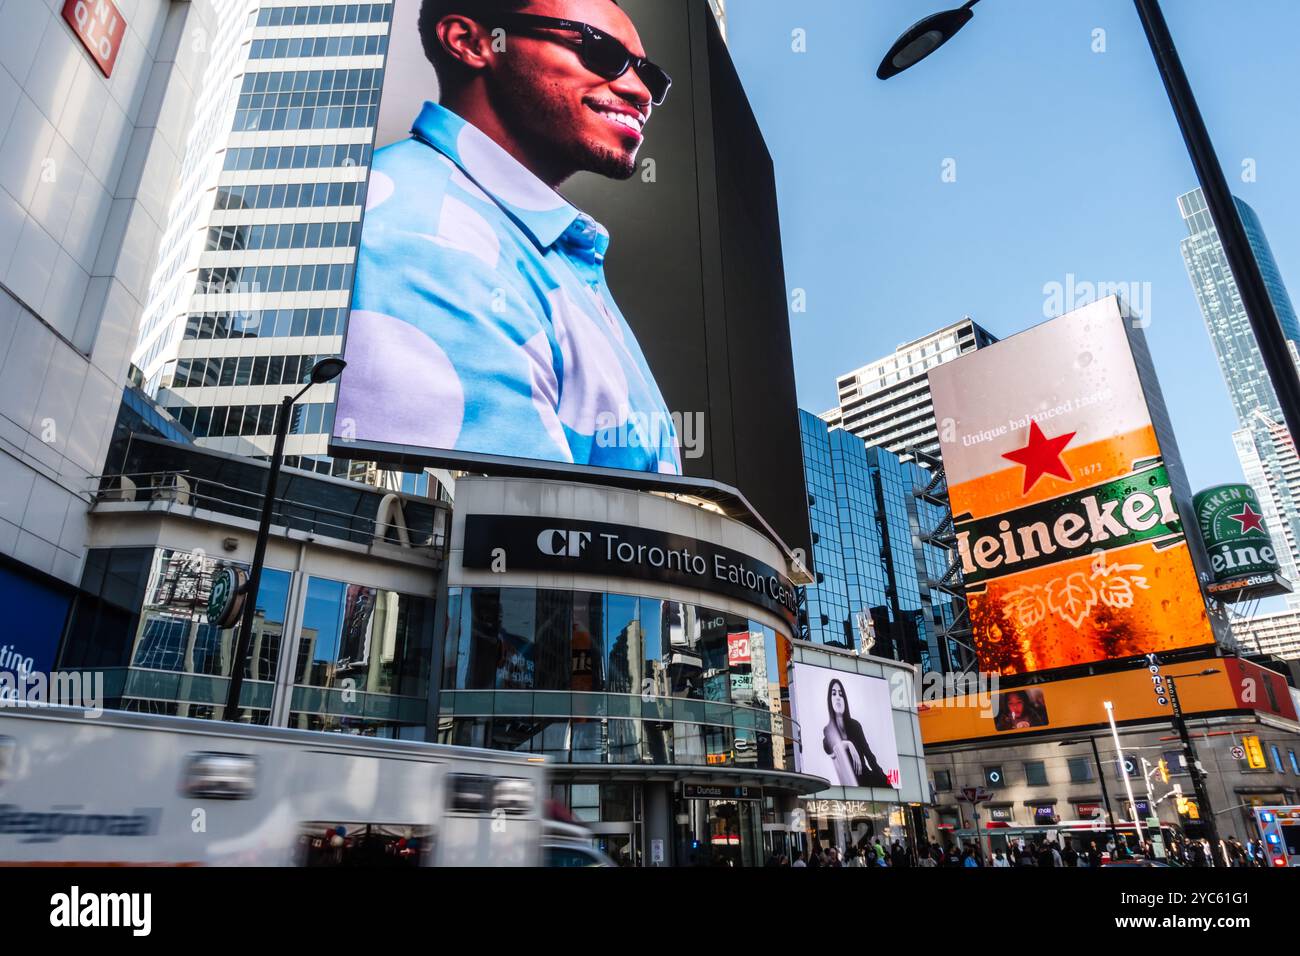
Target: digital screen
{"x":1068,"y":498}
{"x":846,"y":728}
{"x":1021,"y":710}
{"x":566,"y":269}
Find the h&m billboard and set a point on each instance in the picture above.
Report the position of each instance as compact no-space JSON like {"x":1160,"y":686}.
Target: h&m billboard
{"x":1068,"y":497}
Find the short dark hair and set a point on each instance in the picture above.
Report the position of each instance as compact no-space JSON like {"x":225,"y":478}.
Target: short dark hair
{"x":432,"y":11}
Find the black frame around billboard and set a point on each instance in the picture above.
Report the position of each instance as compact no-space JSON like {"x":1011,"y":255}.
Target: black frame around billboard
{"x":730,"y":291}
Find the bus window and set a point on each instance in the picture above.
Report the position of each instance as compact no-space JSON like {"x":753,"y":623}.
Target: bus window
{"x":363,"y":844}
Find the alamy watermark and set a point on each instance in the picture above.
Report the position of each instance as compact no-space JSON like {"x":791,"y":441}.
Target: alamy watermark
{"x":21,"y":686}
{"x":631,"y":429}
{"x":1062,"y":297}
{"x":929,"y":689}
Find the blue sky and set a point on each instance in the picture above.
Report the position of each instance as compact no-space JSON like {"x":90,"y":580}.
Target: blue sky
{"x":1068,"y":161}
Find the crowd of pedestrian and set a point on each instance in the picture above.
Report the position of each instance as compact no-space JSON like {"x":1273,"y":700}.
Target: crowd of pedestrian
{"x":1040,"y":852}
{"x":870,"y":853}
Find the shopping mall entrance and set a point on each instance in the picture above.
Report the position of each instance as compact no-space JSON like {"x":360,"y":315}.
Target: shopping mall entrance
{"x":618,"y":841}
{"x":719,"y":826}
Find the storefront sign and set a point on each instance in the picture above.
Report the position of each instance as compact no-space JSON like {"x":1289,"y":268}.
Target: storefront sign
{"x":1157,"y":680}
{"x":226,"y":597}
{"x":562,"y":545}
{"x":100,"y":28}
{"x":693,"y":791}
{"x":839,"y":809}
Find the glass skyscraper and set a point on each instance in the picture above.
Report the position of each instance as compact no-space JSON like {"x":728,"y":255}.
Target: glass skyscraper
{"x":256,"y":266}
{"x":876,"y":574}
{"x":1268,"y":455}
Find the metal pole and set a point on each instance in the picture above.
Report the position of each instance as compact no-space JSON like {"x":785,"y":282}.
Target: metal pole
{"x":1198,"y":778}
{"x":245,"y":639}
{"x":1119,"y":761}
{"x":1157,"y":837}
{"x":1232,"y":234}
{"x":1105,"y":792}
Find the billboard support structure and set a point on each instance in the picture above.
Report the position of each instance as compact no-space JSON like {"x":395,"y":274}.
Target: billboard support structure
{"x":1194,"y":768}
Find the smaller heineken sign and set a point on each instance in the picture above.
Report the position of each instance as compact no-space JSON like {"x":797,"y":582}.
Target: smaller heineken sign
{"x":226,"y":598}
{"x":1243,"y":561}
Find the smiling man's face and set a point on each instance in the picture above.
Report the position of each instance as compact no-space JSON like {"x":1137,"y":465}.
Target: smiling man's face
{"x":555,"y":104}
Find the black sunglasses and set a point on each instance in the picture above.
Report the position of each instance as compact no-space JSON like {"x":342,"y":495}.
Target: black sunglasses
{"x":600,"y":52}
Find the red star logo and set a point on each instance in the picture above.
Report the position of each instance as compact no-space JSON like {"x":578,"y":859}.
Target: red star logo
{"x":1042,"y":456}
{"x":1249,"y":520}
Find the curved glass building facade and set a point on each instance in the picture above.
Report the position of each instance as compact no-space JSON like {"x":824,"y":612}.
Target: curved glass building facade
{"x":590,"y":677}
{"x":641,"y":646}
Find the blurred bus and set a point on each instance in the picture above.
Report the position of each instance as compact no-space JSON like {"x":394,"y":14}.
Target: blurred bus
{"x":133,"y":789}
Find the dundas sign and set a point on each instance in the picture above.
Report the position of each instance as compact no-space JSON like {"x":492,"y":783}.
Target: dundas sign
{"x":525,"y":543}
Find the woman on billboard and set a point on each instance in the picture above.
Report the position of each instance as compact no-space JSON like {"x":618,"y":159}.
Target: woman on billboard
{"x":843,"y":739}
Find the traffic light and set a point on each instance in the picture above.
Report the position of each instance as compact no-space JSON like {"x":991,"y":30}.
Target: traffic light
{"x":1254,"y":753}
{"x":1163,"y":768}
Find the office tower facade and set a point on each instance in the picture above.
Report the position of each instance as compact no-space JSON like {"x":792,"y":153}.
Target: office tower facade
{"x":877,"y":575}
{"x":1277,"y":635}
{"x":256,"y":267}
{"x":1267,"y":452}
{"x":93,"y":120}
{"x":888,"y":403}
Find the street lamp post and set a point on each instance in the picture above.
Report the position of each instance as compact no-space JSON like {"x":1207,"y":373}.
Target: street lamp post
{"x":1194,"y":768}
{"x":325,"y":370}
{"x":1119,"y":762}
{"x":1157,"y":837}
{"x":1105,"y":792}
{"x":927,"y":35}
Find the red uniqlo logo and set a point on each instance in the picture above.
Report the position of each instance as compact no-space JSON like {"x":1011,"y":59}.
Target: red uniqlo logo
{"x":100,"y":27}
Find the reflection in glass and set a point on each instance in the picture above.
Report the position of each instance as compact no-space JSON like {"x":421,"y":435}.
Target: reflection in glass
{"x":174,"y":633}
{"x":623,"y":673}
{"x":380,"y":641}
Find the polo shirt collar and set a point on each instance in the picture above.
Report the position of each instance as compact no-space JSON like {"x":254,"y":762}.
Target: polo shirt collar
{"x":538,"y":209}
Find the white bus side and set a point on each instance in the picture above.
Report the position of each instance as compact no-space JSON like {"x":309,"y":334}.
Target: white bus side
{"x":125,"y":788}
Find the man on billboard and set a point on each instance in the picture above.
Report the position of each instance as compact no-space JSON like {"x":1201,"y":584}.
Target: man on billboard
{"x":479,"y":281}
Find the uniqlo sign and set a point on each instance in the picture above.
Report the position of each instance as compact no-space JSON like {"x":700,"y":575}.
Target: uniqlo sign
{"x":100,"y":27}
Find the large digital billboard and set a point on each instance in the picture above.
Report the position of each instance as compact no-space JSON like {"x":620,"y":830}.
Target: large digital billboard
{"x":846,"y":728}
{"x":1068,"y":497}
{"x":570,"y":256}
{"x":1243,"y":562}
{"x":1234,"y":688}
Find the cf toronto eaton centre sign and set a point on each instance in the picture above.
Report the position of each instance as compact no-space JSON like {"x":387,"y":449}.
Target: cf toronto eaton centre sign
{"x":590,"y":547}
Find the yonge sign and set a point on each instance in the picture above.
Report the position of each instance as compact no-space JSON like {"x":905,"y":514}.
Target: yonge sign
{"x":1069,"y":514}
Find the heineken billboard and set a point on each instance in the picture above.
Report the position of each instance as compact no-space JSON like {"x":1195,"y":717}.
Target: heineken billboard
{"x":1243,"y":561}
{"x":1068,"y":497}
